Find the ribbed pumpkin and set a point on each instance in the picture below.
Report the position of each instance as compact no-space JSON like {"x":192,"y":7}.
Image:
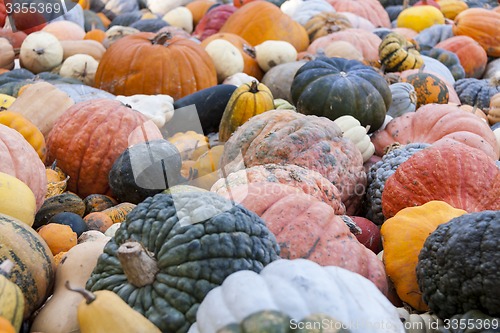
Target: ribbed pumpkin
{"x":451,"y":8}
{"x":308,"y":181}
{"x":145,"y":63}
{"x":12,"y":300}
{"x":248,"y":100}
{"x":213,"y":20}
{"x":306,"y":227}
{"x":449,"y":59}
{"x":397,"y":53}
{"x":34,"y":267}
{"x":477,"y":92}
{"x":326,"y":23}
{"x":472,"y":56}
{"x":404,"y":99}
{"x":19,"y":159}
{"x":429,"y":88}
{"x":449,"y":171}
{"x":325,"y":87}
{"x":89,"y":136}
{"x":371,"y":10}
{"x":433,"y":122}
{"x":403,"y":237}
{"x":259,"y":21}
{"x":481,"y":25}
{"x":288,"y":137}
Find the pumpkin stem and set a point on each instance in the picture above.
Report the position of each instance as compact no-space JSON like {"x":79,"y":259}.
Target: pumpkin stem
{"x":6,"y":267}
{"x":254,"y":87}
{"x":139,"y":265}
{"x":54,"y":165}
{"x":391,"y":147}
{"x":249,"y":50}
{"x":89,"y":297}
{"x":161,"y":38}
{"x":39,"y":51}
{"x":353,"y":227}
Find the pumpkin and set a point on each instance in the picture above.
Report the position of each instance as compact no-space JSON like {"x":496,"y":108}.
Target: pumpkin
{"x":462,"y":244}
{"x":369,"y":9}
{"x":98,"y":202}
{"x":478,"y":24}
{"x":180,"y":17}
{"x":55,"y":101}
{"x":274,"y":52}
{"x":95,"y":34}
{"x":59,"y":237}
{"x":206,"y":168}
{"x":329,"y":92}
{"x":15,"y":38}
{"x":74,"y":221}
{"x":438,"y":70}
{"x":81,"y":67}
{"x":65,"y":30}
{"x":302,"y":11}
{"x":326,"y":23}
{"x":475,"y":111}
{"x":359,"y":22}
{"x":259,"y":21}
{"x":94,"y":122}
{"x":248,"y":100}
{"x":226,"y":58}
{"x":213,"y":20}
{"x":419,"y":18}
{"x":316,"y":143}
{"x":40,"y":52}
{"x":447,"y":58}
{"x":352,"y":129}
{"x":477,"y":92}
{"x":342,"y":49}
{"x":7,"y":54}
{"x":398,"y":54}
{"x":34,"y":268}
{"x":251,"y":67}
{"x":19,"y":159}
{"x":116,"y":33}
{"x":145,"y":169}
{"x":433,"y":122}
{"x":451,"y":8}
{"x":403,"y":237}
{"x":429,"y":88}
{"x":404,"y":99}
{"x":189,"y":144}
{"x":494,"y":109}
{"x":12,"y":301}
{"x":279,"y":78}
{"x":428,"y":38}
{"x":186,"y":67}
{"x":472,"y":56}
{"x":64,"y":202}
{"x":464,"y":177}
{"x":247,"y":244}
{"x":29,"y":131}
{"x":304,"y":288}
{"x":16,"y":199}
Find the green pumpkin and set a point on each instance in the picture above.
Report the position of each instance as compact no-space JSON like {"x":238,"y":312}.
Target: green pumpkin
{"x":335,"y":87}
{"x":449,"y":59}
{"x":477,"y":92}
{"x":404,"y":99}
{"x":191,"y":242}
{"x":431,"y":36}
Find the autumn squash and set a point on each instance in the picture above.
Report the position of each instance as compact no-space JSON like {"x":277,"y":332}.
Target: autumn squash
{"x":451,"y":8}
{"x":29,"y":131}
{"x":199,"y":8}
{"x":247,"y":244}
{"x":398,"y":54}
{"x":14,"y":37}
{"x":226,"y":57}
{"x":401,"y":255}
{"x":40,"y":52}
{"x":89,"y":47}
{"x":420,"y":18}
{"x":59,"y":237}
{"x":34,"y":268}
{"x":279,"y":78}
{"x":447,"y":58}
{"x":73,"y":220}
{"x":478,"y":24}
{"x":472,"y":56}
{"x":7,"y":54}
{"x":429,"y":88}
{"x":64,"y":202}
{"x":316,"y":143}
{"x":205,"y":170}
{"x":213,"y":20}
{"x":494,"y":109}
{"x":299,"y":279}
{"x":248,"y":100}
{"x":180,"y":17}
{"x":328,"y":92}
{"x":351,"y":128}
{"x":259,"y":21}
{"x":157,"y":108}
{"x":404,"y":99}
{"x":359,"y":22}
{"x":342,"y":49}
{"x":326,"y":23}
{"x":16,"y":199}
{"x":115,"y":33}
{"x":181,"y":60}
{"x":189,"y":144}
{"x":368,"y":9}
{"x":461,"y":243}
{"x":464,"y":177}
{"x":477,"y":92}
{"x":436,"y":121}
{"x":12,"y":301}
{"x":271,"y":53}
{"x":431,"y":36}
{"x":65,"y":30}
{"x":97,"y":203}
{"x":94,"y":121}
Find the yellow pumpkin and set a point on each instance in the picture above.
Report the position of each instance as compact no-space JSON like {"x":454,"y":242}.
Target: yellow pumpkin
{"x":188,"y":143}
{"x":16,"y":199}
{"x":206,"y":168}
{"x":419,"y":18}
{"x":248,"y":100}
{"x":403,"y":236}
{"x":451,"y":8}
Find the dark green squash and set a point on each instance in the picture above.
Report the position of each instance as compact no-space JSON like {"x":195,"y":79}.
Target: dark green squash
{"x":472,"y":321}
{"x":74,"y":221}
{"x":195,"y":240}
{"x":126,"y":19}
{"x":449,"y":59}
{"x":335,"y":87}
{"x":149,"y":25}
{"x":210,"y":104}
{"x":387,"y":3}
{"x":431,"y":36}
{"x":92,"y":21}
{"x":477,"y":92}
{"x":65,"y":202}
{"x":144,"y":170}
{"x":12,"y":81}
{"x":457,"y":268}
{"x":98,"y":203}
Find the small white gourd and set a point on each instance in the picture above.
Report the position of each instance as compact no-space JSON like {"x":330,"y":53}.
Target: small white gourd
{"x":81,"y":67}
{"x":180,"y":17}
{"x":352,"y":129}
{"x":40,"y":52}
{"x":274,"y":52}
{"x":226,"y":58}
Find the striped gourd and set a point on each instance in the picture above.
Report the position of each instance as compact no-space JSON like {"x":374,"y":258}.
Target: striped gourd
{"x":12,"y":299}
{"x":34,"y":267}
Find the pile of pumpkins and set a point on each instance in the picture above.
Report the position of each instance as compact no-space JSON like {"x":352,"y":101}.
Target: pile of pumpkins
{"x":253,"y":166}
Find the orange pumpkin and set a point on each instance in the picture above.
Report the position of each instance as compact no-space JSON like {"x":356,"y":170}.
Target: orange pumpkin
{"x":259,"y":21}
{"x":198,"y":8}
{"x":145,"y":63}
{"x":59,"y":237}
{"x":6,"y":326}
{"x":429,"y":88}
{"x":480,"y":24}
{"x":472,"y":56}
{"x":371,"y":10}
{"x":95,"y":34}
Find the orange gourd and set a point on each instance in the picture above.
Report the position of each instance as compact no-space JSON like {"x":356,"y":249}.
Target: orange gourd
{"x":59,"y":237}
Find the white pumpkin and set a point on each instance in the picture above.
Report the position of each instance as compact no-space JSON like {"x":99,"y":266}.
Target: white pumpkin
{"x":352,"y":129}
{"x":81,"y":67}
{"x":161,"y":7}
{"x":180,"y":17}
{"x":299,"y":288}
{"x":226,"y":58}
{"x":7,"y":54}
{"x":274,"y":52}
{"x":116,"y":32}
{"x":157,"y":108}
{"x":239,"y":78}
{"x":302,"y":10}
{"x":40,"y":52}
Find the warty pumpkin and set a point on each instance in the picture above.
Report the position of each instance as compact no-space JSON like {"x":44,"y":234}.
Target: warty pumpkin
{"x":397,"y":53}
{"x":403,"y":237}
{"x":316,"y":143}
{"x":248,"y":100}
{"x":480,"y":24}
{"x":212,"y":247}
{"x":473,"y":57}
{"x":477,"y":92}
{"x":464,"y":177}
{"x":12,"y":300}
{"x":94,"y":123}
{"x":369,"y":9}
{"x":185,"y":66}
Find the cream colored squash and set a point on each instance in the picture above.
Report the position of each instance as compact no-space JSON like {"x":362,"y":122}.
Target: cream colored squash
{"x":116,"y":32}
{"x":81,"y":67}
{"x":274,"y":52}
{"x":59,"y":314}
{"x":157,"y":108}
{"x":90,"y":47}
{"x":16,"y":199}
{"x":226,"y":58}
{"x":343,"y":49}
{"x":90,"y":236}
{"x":180,"y":17}
{"x":352,"y":129}
{"x":7,"y":54}
{"x":40,"y":52}
{"x":239,"y":78}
